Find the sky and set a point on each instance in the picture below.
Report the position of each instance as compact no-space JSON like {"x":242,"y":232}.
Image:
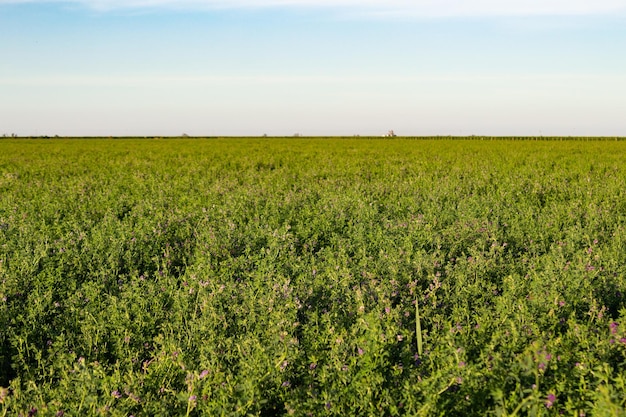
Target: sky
{"x":312,"y":67}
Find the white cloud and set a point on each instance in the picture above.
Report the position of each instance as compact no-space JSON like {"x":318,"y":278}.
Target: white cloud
{"x":416,"y":8}
{"x":222,"y":80}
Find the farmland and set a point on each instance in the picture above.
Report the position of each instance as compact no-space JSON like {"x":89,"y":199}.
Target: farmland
{"x":312,"y":277}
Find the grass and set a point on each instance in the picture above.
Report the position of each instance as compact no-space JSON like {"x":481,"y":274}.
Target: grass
{"x":278,"y":277}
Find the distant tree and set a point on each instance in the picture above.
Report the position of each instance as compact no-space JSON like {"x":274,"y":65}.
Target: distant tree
{"x":184,"y":135}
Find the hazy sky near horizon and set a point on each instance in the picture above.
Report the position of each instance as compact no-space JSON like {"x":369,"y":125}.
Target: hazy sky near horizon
{"x":341,"y":67}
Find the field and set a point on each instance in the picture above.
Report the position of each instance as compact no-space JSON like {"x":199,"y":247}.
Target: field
{"x":312,"y":277}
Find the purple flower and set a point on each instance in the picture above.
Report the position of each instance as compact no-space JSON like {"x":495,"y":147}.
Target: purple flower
{"x":286,"y":384}
{"x":613,"y":327}
{"x":116,"y":394}
{"x":193,"y":398}
{"x":133,"y":396}
{"x":550,"y":400}
{"x":203,"y":374}
{"x":360,"y":351}
{"x":312,"y":366}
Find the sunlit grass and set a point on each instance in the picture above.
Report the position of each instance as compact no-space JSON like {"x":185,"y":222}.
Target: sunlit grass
{"x":278,"y":276}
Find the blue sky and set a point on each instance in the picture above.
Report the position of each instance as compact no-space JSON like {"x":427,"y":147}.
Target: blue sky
{"x":343,"y":67}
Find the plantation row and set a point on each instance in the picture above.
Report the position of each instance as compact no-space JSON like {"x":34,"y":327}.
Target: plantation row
{"x":281,"y":277}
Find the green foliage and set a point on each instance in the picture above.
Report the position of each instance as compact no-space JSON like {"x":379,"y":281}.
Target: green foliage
{"x":312,"y":277}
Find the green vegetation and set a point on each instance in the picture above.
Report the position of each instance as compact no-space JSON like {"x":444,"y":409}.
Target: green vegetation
{"x":280,"y":276}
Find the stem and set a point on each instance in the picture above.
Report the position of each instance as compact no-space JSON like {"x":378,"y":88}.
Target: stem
{"x":418,"y":328}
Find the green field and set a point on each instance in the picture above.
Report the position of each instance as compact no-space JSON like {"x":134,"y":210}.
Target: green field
{"x":312,"y":277}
